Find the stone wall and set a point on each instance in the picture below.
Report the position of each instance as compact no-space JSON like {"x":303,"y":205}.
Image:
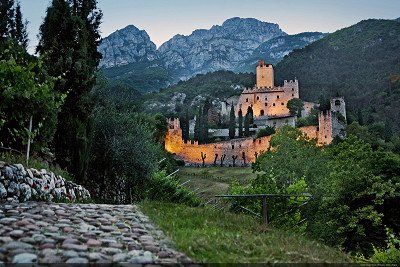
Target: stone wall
{"x":236,"y":152}
{"x":18,"y":184}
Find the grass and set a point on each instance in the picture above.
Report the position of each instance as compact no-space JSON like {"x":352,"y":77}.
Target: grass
{"x":209,"y":236}
{"x":35,"y":163}
{"x":214,"y":180}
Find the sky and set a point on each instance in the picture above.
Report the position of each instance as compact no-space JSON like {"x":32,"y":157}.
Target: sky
{"x":162,"y":19}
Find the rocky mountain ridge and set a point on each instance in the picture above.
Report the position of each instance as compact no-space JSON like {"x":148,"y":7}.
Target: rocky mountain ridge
{"x":128,"y":45}
{"x":235,"y":45}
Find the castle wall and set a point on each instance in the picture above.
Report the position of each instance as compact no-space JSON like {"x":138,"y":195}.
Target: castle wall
{"x":325,"y":127}
{"x":268,"y":102}
{"x":245,"y":150}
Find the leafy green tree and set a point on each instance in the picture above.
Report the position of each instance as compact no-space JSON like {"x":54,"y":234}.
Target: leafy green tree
{"x":232,"y":123}
{"x":267,"y":131}
{"x":69,"y":37}
{"x":25,"y":91}
{"x":295,"y":106}
{"x":240,"y":113}
{"x":124,"y":155}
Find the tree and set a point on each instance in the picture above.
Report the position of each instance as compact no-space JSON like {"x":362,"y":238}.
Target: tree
{"x":251,"y":115}
{"x":25,"y":91}
{"x":69,"y":36}
{"x":247,"y":125}
{"x":198,"y":127}
{"x":21,"y":35}
{"x":240,"y":113}
{"x":295,"y":106}
{"x":7,"y":19}
{"x":232,"y":123}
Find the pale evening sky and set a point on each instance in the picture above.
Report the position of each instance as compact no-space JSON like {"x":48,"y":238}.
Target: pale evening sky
{"x":162,"y":19}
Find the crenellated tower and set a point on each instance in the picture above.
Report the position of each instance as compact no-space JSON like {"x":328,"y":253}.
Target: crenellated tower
{"x":265,"y":75}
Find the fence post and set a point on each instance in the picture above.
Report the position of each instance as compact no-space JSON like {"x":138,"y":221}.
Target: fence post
{"x":264,"y":210}
{"x":29,"y":142}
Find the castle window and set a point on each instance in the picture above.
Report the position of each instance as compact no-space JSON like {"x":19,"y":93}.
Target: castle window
{"x":292,"y":94}
{"x":262,"y":112}
{"x":273,"y":104}
{"x":247,"y":100}
{"x":233,"y":146}
{"x":283,"y":103}
{"x":337,"y":103}
{"x":277,"y":96}
{"x":258,"y":98}
{"x":292,"y":89}
{"x":266,"y":99}
{"x":259,"y":141}
{"x":266,"y":104}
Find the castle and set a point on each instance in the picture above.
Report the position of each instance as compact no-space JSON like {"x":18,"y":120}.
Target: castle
{"x":269,"y":104}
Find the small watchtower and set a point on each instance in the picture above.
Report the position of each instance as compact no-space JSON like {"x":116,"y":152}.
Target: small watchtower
{"x":265,"y":75}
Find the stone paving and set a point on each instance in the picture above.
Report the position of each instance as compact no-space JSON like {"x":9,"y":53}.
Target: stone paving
{"x":36,"y":232}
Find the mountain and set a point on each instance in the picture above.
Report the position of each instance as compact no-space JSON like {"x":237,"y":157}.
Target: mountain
{"x":131,"y":59}
{"x":361,"y":62}
{"x":273,"y":51}
{"x":221,"y":47}
{"x":128,"y":45}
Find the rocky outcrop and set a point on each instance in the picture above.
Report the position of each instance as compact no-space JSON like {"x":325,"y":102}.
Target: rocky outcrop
{"x":274,"y":50}
{"x":128,"y":45}
{"x":221,"y":47}
{"x":18,"y":184}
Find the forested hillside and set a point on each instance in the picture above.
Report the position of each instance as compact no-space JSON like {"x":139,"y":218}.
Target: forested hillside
{"x":217,"y":86}
{"x":361,"y":62}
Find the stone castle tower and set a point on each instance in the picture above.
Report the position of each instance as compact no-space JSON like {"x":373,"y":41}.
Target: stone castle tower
{"x":265,"y":75}
{"x":332,"y":123}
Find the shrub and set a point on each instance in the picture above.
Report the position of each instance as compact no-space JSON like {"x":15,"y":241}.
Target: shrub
{"x":267,"y":131}
{"x":164,"y":188}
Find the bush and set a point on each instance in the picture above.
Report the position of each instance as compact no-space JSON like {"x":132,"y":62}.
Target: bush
{"x":352,"y":185}
{"x":165,"y":188}
{"x":267,"y":131}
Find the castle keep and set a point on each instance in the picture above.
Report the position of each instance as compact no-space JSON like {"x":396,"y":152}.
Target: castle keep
{"x":269,"y":104}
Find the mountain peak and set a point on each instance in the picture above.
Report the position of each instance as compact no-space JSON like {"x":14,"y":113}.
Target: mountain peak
{"x":127,"y":45}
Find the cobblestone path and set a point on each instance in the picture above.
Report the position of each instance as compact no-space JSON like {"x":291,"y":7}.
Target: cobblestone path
{"x":81,"y":233}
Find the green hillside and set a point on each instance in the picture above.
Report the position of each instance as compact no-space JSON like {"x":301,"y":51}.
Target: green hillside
{"x":217,"y":85}
{"x":141,"y":76}
{"x":361,"y":62}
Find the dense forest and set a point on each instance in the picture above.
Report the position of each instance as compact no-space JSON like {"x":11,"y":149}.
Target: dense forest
{"x":361,"y":63}
{"x":216,"y":86}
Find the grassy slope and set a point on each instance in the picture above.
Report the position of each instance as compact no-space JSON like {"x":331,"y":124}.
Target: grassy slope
{"x":214,"y":180}
{"x":210,"y":236}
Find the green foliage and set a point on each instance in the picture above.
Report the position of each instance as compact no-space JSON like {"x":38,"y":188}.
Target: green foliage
{"x":69,"y":36}
{"x":353,"y":188}
{"x":389,"y":255}
{"x":267,"y":131}
{"x":246,"y":125}
{"x":295,"y":106}
{"x":164,"y":188}
{"x":310,"y":120}
{"x":208,"y":235}
{"x":240,"y":122}
{"x":366,"y":62}
{"x":216,"y":85}
{"x":232,"y":123}
{"x":124,"y":155}
{"x":139,"y":77}
{"x":25,"y":91}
